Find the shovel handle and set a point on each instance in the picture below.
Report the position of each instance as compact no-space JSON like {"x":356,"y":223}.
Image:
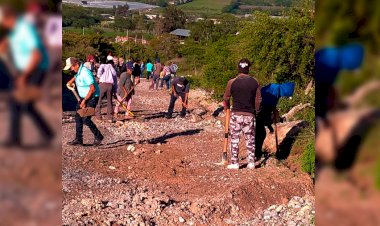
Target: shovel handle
{"x":72,"y":88}
{"x":226,"y":133}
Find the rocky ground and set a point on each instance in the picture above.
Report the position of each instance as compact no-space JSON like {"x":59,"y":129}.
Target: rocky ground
{"x":157,"y":171}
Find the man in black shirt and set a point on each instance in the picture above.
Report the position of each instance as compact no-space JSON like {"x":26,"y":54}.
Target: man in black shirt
{"x":180,"y":88}
{"x":244,"y":90}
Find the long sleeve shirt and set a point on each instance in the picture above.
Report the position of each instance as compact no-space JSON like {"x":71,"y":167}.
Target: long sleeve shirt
{"x":107,"y":74}
{"x":245,"y":92}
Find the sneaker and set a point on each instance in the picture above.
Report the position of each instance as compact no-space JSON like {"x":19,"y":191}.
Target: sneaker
{"x":182,"y":116}
{"x":98,"y":140}
{"x":233,"y":166}
{"x":75,"y":142}
{"x":168,"y":116}
{"x":251,"y":165}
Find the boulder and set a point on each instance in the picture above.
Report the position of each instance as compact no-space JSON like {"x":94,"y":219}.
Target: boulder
{"x":344,"y":133}
{"x":285,"y":132}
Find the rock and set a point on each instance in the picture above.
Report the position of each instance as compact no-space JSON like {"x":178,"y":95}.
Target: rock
{"x":350,"y":124}
{"x":131,"y":148}
{"x":284,"y":132}
{"x":181,"y":219}
{"x":279,"y":208}
{"x":195,"y":118}
{"x":158,"y":152}
{"x":199,"y":111}
{"x":112,"y":167}
{"x":119,"y":123}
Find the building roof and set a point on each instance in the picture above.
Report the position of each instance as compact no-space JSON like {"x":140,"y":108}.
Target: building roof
{"x":181,"y":32}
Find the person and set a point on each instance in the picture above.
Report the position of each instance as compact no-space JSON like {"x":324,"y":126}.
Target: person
{"x":166,"y":76}
{"x":115,"y":63}
{"x":125,"y":87}
{"x":156,"y":75}
{"x":244,"y":89}
{"x":149,"y":70}
{"x":173,"y":69}
{"x":136,"y":73}
{"x":180,"y":88}
{"x":108,"y":86}
{"x":130,"y":63}
{"x":121,"y":67}
{"x":31,"y":63}
{"x":142,"y":69}
{"x":88,"y":91}
{"x":91,"y":60}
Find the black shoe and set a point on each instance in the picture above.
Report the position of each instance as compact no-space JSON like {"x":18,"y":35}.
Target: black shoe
{"x":75,"y":142}
{"x":182,"y":116}
{"x":98,"y":140}
{"x":168,"y":116}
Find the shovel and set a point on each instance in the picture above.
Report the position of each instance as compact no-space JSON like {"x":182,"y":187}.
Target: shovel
{"x":225,"y":146}
{"x":83,"y":112}
{"x":123,"y":99}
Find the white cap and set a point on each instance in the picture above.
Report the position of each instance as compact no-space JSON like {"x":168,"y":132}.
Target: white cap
{"x":109,"y":58}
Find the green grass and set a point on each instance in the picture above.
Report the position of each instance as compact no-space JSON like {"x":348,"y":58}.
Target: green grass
{"x":204,"y":6}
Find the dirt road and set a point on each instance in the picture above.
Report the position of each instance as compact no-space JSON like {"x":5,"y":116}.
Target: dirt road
{"x":158,"y":171}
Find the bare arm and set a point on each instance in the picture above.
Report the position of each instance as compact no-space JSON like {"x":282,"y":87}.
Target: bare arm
{"x":35,"y":61}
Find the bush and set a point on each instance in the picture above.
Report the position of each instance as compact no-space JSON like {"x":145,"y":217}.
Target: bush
{"x":308,"y":158}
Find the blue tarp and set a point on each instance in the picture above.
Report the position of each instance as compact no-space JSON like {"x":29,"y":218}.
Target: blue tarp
{"x":270,"y":94}
{"x":330,"y":60}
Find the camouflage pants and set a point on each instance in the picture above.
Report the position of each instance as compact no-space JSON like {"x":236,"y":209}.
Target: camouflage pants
{"x":245,"y":124}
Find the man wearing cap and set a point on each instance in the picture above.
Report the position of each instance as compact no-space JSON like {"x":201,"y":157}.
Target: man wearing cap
{"x":244,"y":90}
{"x":31,"y":62}
{"x":88,"y":91}
{"x":180,"y":88}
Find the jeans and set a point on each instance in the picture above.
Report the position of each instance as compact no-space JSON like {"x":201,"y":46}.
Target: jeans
{"x":167,"y":79}
{"x":79,"y":121}
{"x":18,"y":109}
{"x":172,"y":103}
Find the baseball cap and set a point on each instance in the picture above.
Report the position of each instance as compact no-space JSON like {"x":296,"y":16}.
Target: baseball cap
{"x":109,"y":58}
{"x":70,"y":62}
{"x":243,"y":66}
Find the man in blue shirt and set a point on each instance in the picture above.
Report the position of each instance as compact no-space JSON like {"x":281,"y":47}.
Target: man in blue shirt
{"x":88,"y":91}
{"x":31,"y":62}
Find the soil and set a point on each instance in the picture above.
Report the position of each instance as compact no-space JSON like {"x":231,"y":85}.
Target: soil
{"x":157,"y":171}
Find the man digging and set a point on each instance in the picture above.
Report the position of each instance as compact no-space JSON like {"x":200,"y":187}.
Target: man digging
{"x":180,"y":88}
{"x":244,"y":90}
{"x":88,"y":91}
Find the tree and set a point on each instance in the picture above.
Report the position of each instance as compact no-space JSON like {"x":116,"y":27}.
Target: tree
{"x":174,"y":18}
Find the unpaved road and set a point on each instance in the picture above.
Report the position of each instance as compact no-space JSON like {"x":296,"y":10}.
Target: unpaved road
{"x":171,"y":177}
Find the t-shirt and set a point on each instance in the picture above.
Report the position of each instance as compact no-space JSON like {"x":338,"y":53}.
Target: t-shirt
{"x":244,"y":89}
{"x":157,"y":68}
{"x":83,"y":80}
{"x":149,"y":67}
{"x":130,"y":65}
{"x":126,"y":82}
{"x":173,"y":68}
{"x":24,"y":39}
{"x":136,"y":70}
{"x":181,"y":85}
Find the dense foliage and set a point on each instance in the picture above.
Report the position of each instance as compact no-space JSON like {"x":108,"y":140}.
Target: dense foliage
{"x":280,"y":49}
{"x":73,"y":16}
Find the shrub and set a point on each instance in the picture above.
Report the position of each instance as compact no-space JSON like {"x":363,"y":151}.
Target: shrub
{"x":308,"y":158}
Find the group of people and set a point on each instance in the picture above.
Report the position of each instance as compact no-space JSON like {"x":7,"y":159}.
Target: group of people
{"x":114,"y":79}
